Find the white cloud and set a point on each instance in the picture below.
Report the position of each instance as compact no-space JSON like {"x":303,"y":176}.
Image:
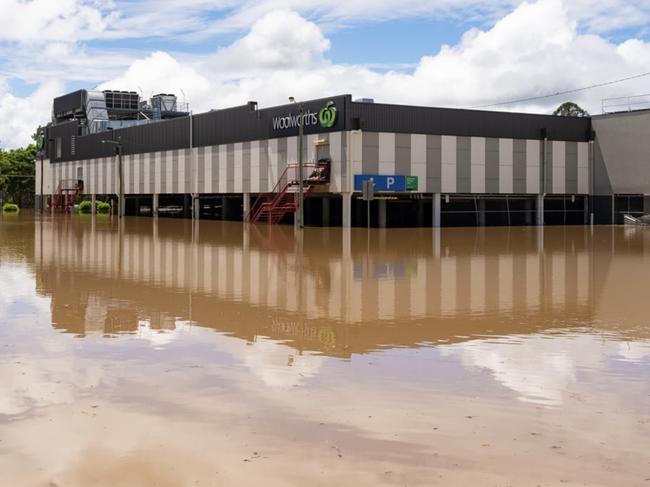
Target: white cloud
{"x":161,"y":73}
{"x":536,"y":49}
{"x":279,"y":40}
{"x":35,"y":21}
{"x":21,"y":116}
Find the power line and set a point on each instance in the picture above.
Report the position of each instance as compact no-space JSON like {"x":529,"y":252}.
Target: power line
{"x":559,"y":93}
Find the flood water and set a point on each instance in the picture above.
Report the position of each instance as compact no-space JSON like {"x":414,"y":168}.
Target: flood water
{"x":170,"y":354}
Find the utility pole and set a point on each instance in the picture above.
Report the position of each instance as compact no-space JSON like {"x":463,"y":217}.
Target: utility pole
{"x":301,"y":134}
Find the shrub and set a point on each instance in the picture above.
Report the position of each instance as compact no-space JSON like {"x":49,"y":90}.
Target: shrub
{"x":10,"y":208}
{"x":103,"y":208}
{"x":85,"y":206}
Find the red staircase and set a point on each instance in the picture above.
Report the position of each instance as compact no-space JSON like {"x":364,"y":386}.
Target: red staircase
{"x":66,"y":194}
{"x":272,"y":207}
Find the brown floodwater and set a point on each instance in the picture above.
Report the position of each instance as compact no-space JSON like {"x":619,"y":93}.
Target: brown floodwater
{"x":162,"y":353}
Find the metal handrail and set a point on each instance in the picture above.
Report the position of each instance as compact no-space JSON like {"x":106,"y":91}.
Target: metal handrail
{"x":272,"y":198}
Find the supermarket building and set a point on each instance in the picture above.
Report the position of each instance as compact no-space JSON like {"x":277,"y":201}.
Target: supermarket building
{"x":430,"y":166}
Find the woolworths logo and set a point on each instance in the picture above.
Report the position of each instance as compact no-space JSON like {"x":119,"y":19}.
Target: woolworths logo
{"x":326,"y":118}
{"x":327,"y":115}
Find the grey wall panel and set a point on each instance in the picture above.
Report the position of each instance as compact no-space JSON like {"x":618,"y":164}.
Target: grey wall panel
{"x":548,"y":167}
{"x":264,"y":165}
{"x":434,"y":164}
{"x":463,"y":165}
{"x":131,"y":186}
{"x":622,"y":153}
{"x":403,"y":154}
{"x":345,"y":184}
{"x":282,"y":158}
{"x":188,"y":171}
{"x":141,"y":172}
{"x":491,"y":165}
{"x":175,"y":172}
{"x":370,"y":153}
{"x":152,"y":172}
{"x":246,"y":167}
{"x":571,"y":167}
{"x":200,"y":157}
{"x":164,"y":162}
{"x":230,"y":168}
{"x":519,"y":166}
{"x":105,"y":175}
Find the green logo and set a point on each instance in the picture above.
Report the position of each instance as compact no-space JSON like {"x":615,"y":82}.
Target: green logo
{"x":327,"y":116}
{"x":411,"y":183}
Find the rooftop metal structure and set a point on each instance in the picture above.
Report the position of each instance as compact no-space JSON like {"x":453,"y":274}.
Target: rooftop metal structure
{"x":97,"y":111}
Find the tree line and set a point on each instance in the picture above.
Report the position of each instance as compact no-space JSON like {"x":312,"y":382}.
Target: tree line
{"x":17,"y":170}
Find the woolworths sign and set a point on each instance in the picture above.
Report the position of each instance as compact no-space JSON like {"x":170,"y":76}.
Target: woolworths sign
{"x":324,"y":118}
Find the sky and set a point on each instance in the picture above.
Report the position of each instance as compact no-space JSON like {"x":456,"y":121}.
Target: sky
{"x":220,"y":53}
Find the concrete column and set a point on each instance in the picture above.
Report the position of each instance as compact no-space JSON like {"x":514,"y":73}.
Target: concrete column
{"x":480,"y":205}
{"x":382,"y":213}
{"x":247,"y":205}
{"x":437,"y":207}
{"x":196,"y":207}
{"x":528,"y":206}
{"x":224,"y":208}
{"x":539,"y":220}
{"x":347,"y":210}
{"x":154,"y":204}
{"x":613,"y":209}
{"x":93,"y":202}
{"x":187,"y":205}
{"x":326,"y":211}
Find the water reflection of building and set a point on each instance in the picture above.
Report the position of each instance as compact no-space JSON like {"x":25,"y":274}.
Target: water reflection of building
{"x":337,"y":292}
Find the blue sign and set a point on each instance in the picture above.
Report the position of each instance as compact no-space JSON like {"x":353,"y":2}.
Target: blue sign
{"x":382,"y":182}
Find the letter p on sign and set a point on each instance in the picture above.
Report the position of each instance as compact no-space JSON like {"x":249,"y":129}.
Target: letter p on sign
{"x":390,"y":181}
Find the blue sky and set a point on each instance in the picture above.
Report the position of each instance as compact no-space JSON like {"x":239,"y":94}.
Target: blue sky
{"x":458,"y":53}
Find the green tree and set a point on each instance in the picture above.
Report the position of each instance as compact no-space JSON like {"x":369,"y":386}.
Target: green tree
{"x":17,"y":175}
{"x":570,"y":109}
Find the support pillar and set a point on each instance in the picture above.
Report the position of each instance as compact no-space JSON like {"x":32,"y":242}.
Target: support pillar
{"x":196,"y":207}
{"x":154,"y":204}
{"x":539,"y":220}
{"x":382,"y":213}
{"x":347,"y":210}
{"x":224,"y":208}
{"x":246,"y":206}
{"x":528,"y":206}
{"x":93,"y":204}
{"x":437,"y":211}
{"x":326,"y":212}
{"x":613,"y":209}
{"x":482,"y":217}
{"x":187,"y":205}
